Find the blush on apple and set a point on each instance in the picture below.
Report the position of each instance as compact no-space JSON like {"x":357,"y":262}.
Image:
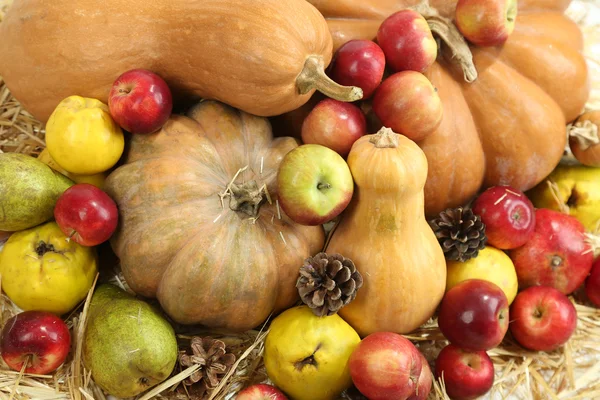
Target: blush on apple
{"x":385,"y":365}
{"x":359,"y":63}
{"x":39,"y":338}
{"x":508,"y":215}
{"x":592,"y":284}
{"x":542,"y":318}
{"x":474,"y":315}
{"x":314,"y":184}
{"x":486,"y":23}
{"x":424,"y":382}
{"x":467,"y":374}
{"x":334,"y":124}
{"x":556,"y":255}
{"x":261,"y":392}
{"x":408,"y":103}
{"x":407,"y":42}
{"x":86,"y":214}
{"x":140,"y":101}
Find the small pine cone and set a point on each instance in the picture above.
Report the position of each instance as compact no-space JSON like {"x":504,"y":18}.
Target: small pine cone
{"x":461,"y":233}
{"x":328,"y":282}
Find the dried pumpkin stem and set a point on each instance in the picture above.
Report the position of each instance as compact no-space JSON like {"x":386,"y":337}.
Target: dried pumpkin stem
{"x":385,"y":138}
{"x":585,"y":132}
{"x":460,"y":53}
{"x":313,"y":77}
{"x":247,"y":198}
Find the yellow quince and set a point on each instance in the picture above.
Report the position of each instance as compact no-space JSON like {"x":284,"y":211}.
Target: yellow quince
{"x":82,"y":137}
{"x":41,"y":270}
{"x":96,"y":179}
{"x":307,"y":356}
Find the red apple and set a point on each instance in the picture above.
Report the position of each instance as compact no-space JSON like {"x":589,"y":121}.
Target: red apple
{"x":556,"y":255}
{"x":543,"y":318}
{"x":508,"y":215}
{"x":486,"y":23}
{"x":408,"y":103}
{"x":334,"y":124}
{"x":359,"y":63}
{"x":38,"y":337}
{"x":314,"y":184}
{"x":424,"y":382}
{"x":86,"y":214}
{"x":261,"y":392}
{"x":467,"y":374}
{"x":592,"y":284}
{"x":474,"y":315}
{"x":140,"y":101}
{"x":407,"y":42}
{"x":385,"y":365}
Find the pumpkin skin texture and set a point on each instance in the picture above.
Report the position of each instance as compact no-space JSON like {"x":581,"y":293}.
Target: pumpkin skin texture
{"x":505,"y":128}
{"x":385,"y":233}
{"x":247,"y":54}
{"x":204,"y":262}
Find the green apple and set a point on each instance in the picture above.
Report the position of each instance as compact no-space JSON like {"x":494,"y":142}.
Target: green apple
{"x":314,"y":184}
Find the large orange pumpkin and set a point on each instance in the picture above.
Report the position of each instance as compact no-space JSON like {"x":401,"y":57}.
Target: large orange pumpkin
{"x":506,"y":127}
{"x":200,"y":227}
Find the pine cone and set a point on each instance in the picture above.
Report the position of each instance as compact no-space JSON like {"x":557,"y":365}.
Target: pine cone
{"x":461,"y":233}
{"x":214,"y":363}
{"x":328,"y":283}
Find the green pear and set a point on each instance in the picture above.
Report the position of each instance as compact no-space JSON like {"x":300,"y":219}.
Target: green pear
{"x":29,"y":190}
{"x":128,"y":345}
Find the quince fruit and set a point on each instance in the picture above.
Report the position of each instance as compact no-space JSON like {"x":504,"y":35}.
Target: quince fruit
{"x":574,"y":189}
{"x":307,"y":356}
{"x":42,"y":270}
{"x":491,"y":265}
{"x":96,"y":179}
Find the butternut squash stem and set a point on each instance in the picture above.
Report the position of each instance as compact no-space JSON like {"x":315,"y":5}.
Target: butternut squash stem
{"x":586,"y":133}
{"x":460,"y":53}
{"x":313,"y":77}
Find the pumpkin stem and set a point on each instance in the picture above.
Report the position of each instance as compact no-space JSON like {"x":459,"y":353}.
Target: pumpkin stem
{"x":460,"y":52}
{"x":313,"y":77}
{"x":585,"y":132}
{"x":385,"y":138}
{"x":247,"y":198}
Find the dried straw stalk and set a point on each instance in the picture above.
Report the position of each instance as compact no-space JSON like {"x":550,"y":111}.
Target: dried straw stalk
{"x":568,"y":373}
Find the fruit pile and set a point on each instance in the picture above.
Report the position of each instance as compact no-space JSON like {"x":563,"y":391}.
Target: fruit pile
{"x":216,"y":212}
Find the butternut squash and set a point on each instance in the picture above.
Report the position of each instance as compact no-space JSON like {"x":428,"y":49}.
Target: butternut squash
{"x":385,"y":233}
{"x":264,"y":57}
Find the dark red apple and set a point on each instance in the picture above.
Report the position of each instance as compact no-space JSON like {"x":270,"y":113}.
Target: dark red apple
{"x":261,"y":392}
{"x":556,"y":255}
{"x":140,"y":101}
{"x":334,"y":124}
{"x":467,"y":374}
{"x":592,"y":284}
{"x":408,"y":103}
{"x":542,"y":318}
{"x":359,"y":63}
{"x":486,"y":22}
{"x":508,"y":215}
{"x":385,"y":365}
{"x":474,"y":315}
{"x":38,"y":337}
{"x":407,"y":42}
{"x":86,"y":214}
{"x":424,"y":382}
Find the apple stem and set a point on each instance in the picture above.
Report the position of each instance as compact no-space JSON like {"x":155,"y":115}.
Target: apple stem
{"x":460,"y":52}
{"x":73,"y":232}
{"x":585,"y":132}
{"x":313,"y":77}
{"x":385,"y":138}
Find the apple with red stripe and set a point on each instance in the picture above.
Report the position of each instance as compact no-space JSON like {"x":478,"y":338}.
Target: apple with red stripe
{"x":140,"y":101}
{"x":39,"y":338}
{"x":261,"y":391}
{"x":486,"y":22}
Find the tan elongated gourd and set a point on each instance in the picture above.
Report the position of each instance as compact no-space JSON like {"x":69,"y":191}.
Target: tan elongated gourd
{"x":385,"y":233}
{"x":265,"y":57}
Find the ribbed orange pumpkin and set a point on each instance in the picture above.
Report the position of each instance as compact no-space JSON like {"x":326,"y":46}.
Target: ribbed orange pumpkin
{"x":506,"y":127}
{"x":200,"y":227}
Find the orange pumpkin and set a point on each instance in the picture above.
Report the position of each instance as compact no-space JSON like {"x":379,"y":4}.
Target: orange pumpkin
{"x":508,"y":125}
{"x":200,"y":227}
